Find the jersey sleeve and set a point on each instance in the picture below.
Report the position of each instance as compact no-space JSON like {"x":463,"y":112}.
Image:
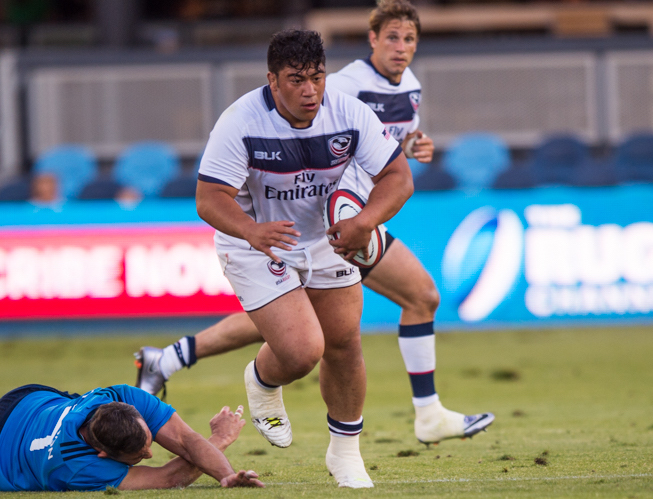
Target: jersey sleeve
{"x":154,"y":412}
{"x":225,"y":159}
{"x":344,"y":83}
{"x":414,"y":125}
{"x":376,"y":147}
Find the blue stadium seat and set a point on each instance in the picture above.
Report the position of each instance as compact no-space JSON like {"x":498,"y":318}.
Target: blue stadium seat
{"x":100,"y":188}
{"x":147,"y":167}
{"x":633,"y":160}
{"x":434,"y":178}
{"x":73,"y":165}
{"x":595,"y":174}
{"x":558,"y":158}
{"x":515,"y":177}
{"x":180,"y":187}
{"x":475,"y":159}
{"x":15,"y":189}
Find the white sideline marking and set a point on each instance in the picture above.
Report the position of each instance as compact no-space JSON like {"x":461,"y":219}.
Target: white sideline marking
{"x":506,"y":479}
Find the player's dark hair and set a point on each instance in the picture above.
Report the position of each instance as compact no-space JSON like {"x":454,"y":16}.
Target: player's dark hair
{"x":115,"y":429}
{"x":389,"y":10}
{"x":300,"y":49}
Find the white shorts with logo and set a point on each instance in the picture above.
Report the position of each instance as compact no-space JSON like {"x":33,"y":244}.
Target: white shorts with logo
{"x":258,"y":280}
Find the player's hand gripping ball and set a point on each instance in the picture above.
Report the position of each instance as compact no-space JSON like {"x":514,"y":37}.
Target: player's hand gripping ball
{"x":342,"y":204}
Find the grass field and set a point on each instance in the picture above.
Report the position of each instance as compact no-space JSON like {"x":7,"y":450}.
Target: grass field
{"x":574,"y":414}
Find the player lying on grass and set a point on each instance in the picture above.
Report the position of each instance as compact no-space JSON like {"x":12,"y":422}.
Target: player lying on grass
{"x":52,"y":440}
{"x":385,"y":82}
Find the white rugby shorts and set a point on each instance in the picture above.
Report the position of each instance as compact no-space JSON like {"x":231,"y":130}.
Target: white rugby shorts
{"x":258,"y":280}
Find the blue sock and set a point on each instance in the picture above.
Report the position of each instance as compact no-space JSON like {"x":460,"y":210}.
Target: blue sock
{"x":417,"y":345}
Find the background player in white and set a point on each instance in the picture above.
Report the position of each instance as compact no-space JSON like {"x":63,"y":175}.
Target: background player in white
{"x":385,"y":82}
{"x":268,"y":167}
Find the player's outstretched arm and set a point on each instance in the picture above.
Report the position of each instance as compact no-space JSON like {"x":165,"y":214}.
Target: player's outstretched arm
{"x":216,"y":206}
{"x":203,"y":456}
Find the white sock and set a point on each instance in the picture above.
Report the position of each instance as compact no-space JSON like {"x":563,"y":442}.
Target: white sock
{"x":175,"y":357}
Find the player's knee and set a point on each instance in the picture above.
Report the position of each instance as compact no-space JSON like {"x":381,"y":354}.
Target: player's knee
{"x":432,"y":299}
{"x":424,"y":301}
{"x":300,"y":366}
{"x":303,"y":361}
{"x":344,"y":347}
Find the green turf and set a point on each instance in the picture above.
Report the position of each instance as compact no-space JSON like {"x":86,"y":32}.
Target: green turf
{"x":577,"y":401}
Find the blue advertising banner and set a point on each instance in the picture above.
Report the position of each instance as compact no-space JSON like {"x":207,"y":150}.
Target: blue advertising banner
{"x":530,"y":257}
{"x":545,"y":256}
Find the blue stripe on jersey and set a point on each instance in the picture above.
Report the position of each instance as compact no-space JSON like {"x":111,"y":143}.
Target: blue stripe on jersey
{"x":321,"y":152}
{"x":212,"y":180}
{"x":392,"y":108}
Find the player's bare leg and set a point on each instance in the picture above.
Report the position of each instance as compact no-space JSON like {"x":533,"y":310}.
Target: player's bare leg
{"x":294,"y":345}
{"x":231,"y":333}
{"x":156,"y":365}
{"x":343,"y":381}
{"x":400,"y":277}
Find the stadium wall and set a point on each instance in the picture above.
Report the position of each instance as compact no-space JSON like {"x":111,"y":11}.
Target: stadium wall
{"x":544,"y":256}
{"x":521,"y":89}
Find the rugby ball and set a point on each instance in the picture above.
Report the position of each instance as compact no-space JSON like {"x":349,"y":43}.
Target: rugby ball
{"x":342,"y":204}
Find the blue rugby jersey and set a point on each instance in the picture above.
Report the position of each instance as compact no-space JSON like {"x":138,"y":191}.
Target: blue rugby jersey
{"x":396,"y":105}
{"x":286,"y":173}
{"x":41,"y":448}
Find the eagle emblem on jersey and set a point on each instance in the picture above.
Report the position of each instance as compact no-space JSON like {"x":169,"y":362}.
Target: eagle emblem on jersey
{"x":415,"y":98}
{"x":339,"y":145}
{"x":277,"y":269}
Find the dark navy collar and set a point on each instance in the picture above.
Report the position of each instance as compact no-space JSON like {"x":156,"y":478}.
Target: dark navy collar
{"x":369,"y":61}
{"x":267,"y":96}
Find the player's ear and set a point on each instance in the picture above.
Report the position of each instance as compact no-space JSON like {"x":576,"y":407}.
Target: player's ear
{"x":272,"y":80}
{"x":371,"y":36}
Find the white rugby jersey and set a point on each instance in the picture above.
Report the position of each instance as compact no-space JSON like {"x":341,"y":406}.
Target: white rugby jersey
{"x":396,"y":105}
{"x":286,"y":173}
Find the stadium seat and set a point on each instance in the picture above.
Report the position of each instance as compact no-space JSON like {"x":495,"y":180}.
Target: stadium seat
{"x":515,"y":177}
{"x":73,"y":165}
{"x":15,"y":189}
{"x":434,"y":178}
{"x":595,"y":174}
{"x":100,"y":188}
{"x":474,"y":160}
{"x":147,"y":167}
{"x":180,"y":187}
{"x":558,"y":158}
{"x":633,"y":160}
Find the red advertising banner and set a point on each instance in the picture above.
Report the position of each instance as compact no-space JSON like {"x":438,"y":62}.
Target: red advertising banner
{"x":112,"y":272}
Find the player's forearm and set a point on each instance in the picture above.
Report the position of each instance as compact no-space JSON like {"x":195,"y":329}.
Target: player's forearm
{"x":179,"y":473}
{"x":208,"y":458}
{"x":389,"y":194}
{"x":220,"y":211}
